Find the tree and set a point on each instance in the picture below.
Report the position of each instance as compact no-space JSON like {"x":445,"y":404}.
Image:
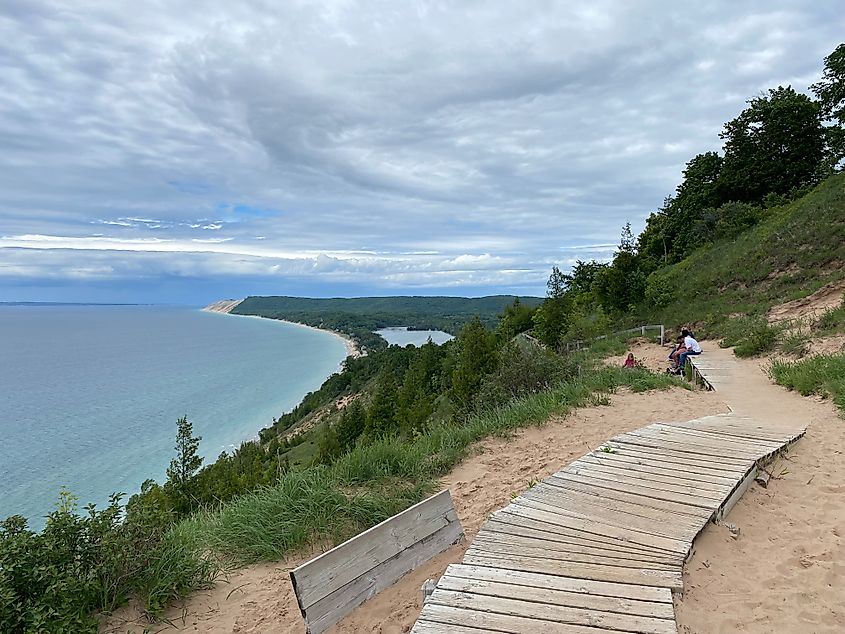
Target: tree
{"x":187,"y":461}
{"x":776,"y":145}
{"x":516,"y":318}
{"x":381,"y":416}
{"x":830,"y":92}
{"x":622,"y":284}
{"x":476,"y":358}
{"x":352,"y":422}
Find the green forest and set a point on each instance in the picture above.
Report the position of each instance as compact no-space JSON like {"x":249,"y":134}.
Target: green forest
{"x":757,"y":224}
{"x":358,"y":317}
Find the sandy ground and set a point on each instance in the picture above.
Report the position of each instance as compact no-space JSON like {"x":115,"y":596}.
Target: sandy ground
{"x":784,"y":573}
{"x":786,"y":570}
{"x":812,"y":306}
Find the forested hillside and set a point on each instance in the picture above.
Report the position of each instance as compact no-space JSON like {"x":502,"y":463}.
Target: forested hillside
{"x":358,"y":317}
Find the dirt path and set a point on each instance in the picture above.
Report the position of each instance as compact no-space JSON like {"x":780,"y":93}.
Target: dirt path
{"x":785,"y":572}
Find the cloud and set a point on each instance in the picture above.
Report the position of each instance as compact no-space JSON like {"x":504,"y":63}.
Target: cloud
{"x":398,"y":145}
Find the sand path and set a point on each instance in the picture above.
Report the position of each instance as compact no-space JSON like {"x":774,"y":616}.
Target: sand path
{"x":784,"y":573}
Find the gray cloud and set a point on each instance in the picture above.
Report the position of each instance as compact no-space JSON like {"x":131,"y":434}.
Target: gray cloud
{"x":393,"y":145}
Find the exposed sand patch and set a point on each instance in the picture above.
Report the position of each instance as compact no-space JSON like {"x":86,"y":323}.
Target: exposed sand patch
{"x":223,"y":306}
{"x":810,"y":307}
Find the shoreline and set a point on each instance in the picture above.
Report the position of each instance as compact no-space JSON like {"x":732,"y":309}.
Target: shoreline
{"x":226,"y":306}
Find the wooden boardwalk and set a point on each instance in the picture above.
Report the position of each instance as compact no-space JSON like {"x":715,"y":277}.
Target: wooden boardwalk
{"x":600,"y":545}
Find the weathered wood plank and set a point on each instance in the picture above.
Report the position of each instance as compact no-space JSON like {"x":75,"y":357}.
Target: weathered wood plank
{"x":601,"y":493}
{"x":611,"y":517}
{"x":683,"y":443}
{"x":497,"y":547}
{"x":329,"y":586}
{"x":713,"y":496}
{"x":429,"y":627}
{"x":568,"y":584}
{"x":682,"y":471}
{"x":563,"y":598}
{"x":597,"y":527}
{"x":452,"y":616}
{"x":514,"y":542}
{"x":516,"y":525}
{"x":588,"y":504}
{"x":668,"y":482}
{"x":743,"y":444}
{"x":668,"y":496}
{"x":330,"y":609}
{"x":618,"y":574}
{"x":639,"y":449}
{"x":553,"y":613}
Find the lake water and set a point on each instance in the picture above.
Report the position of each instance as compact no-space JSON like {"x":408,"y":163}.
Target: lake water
{"x":401,"y":336}
{"x":89,"y":395}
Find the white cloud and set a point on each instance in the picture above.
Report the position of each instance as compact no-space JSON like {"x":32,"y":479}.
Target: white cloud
{"x":384,"y":142}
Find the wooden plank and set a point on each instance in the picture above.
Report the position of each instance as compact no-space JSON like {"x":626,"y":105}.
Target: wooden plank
{"x":516,"y":525}
{"x":663,"y":444}
{"x":611,"y":517}
{"x":333,"y":607}
{"x":684,"y":471}
{"x":601,"y":493}
{"x":743,"y":444}
{"x":670,"y":482}
{"x":639,"y":448}
{"x":587,"y":503}
{"x":493,"y":539}
{"x":335,"y":568}
{"x":614,"y":485}
{"x":578,"y":600}
{"x":712,"y":497}
{"x":503,"y":547}
{"x":333,"y":584}
{"x":597,"y":528}
{"x":748,"y":432}
{"x":684,"y":443}
{"x":568,"y":584}
{"x":428,"y":627}
{"x":617,"y":574}
{"x":458,"y":617}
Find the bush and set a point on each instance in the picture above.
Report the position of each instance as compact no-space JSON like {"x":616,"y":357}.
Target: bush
{"x":750,"y":336}
{"x":823,"y":375}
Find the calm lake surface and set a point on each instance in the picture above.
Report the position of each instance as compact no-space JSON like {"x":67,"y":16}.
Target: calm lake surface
{"x":89,"y":395}
{"x":401,"y":336}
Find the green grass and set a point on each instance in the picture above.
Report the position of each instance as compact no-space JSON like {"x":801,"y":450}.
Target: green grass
{"x":832,"y":321}
{"x":792,"y":253}
{"x":823,"y":375}
{"x":328,"y":504}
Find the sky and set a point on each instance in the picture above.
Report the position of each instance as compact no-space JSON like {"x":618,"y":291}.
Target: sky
{"x":183,"y":152}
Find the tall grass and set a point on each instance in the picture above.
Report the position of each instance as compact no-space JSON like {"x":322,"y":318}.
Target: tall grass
{"x":823,"y":375}
{"x":327,"y":504}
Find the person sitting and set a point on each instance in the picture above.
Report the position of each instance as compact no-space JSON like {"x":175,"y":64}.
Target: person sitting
{"x":629,"y":362}
{"x":692,"y":348}
{"x":676,"y":351}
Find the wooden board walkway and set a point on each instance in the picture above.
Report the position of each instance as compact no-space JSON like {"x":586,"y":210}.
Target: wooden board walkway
{"x":599,"y":547}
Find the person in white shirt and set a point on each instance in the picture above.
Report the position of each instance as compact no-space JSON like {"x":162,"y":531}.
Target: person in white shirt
{"x":692,"y":348}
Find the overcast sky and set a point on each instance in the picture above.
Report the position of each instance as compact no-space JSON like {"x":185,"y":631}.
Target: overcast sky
{"x":187,"y":151}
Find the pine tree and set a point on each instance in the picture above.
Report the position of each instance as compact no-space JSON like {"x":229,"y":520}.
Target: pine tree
{"x":187,"y":461}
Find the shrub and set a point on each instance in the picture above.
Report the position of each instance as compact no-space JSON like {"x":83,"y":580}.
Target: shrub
{"x":823,"y":375}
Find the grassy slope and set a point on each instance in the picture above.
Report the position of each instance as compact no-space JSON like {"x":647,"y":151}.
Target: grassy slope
{"x":792,"y":253}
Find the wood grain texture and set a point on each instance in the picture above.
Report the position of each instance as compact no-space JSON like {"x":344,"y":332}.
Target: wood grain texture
{"x":333,"y":584}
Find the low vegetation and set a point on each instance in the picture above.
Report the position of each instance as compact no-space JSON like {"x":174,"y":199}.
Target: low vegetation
{"x":823,"y":375}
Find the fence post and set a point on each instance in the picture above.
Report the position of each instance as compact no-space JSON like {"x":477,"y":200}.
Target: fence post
{"x":661,"y":334}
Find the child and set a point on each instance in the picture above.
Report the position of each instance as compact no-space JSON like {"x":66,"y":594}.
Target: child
{"x":629,"y":362}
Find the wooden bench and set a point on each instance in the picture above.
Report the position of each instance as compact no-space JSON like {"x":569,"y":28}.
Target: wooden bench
{"x":332,"y":585}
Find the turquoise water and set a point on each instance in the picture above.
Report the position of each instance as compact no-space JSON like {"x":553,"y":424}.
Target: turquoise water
{"x":401,"y":336}
{"x":89,"y":395}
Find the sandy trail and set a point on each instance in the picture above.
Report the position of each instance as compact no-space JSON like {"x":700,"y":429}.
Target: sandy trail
{"x":785,"y":572}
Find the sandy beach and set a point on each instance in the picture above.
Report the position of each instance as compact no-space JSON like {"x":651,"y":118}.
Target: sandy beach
{"x":226,"y":306}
